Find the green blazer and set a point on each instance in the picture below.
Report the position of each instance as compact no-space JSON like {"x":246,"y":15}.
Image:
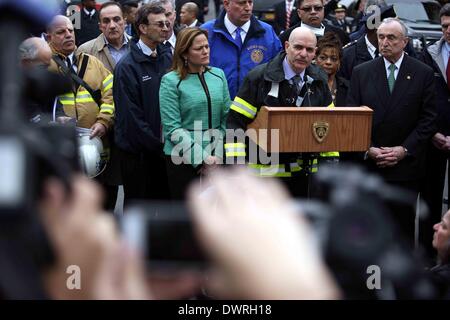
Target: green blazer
{"x":189,"y":108}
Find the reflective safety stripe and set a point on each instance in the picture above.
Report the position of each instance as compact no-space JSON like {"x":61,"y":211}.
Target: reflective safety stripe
{"x":279,"y":170}
{"x":243,"y":107}
{"x":329,"y":154}
{"x":107,"y":108}
{"x":108,"y":82}
{"x":67,"y":99}
{"x":235,"y":149}
{"x":263,"y":170}
{"x":84,"y":96}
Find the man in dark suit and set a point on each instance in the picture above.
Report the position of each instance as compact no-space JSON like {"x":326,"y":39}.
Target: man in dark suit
{"x":400,"y":90}
{"x":281,"y":22}
{"x":202,"y":8}
{"x":189,"y":15}
{"x":88,"y":23}
{"x":366,"y":47}
{"x":311,"y":14}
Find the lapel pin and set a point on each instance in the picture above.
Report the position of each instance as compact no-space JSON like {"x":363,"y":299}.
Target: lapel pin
{"x":408,"y":77}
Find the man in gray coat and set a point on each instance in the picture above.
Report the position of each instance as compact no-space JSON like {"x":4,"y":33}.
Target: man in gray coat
{"x":112,"y":44}
{"x":109,"y":47}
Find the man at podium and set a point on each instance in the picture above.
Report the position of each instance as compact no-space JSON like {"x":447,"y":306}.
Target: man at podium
{"x":288,"y":80}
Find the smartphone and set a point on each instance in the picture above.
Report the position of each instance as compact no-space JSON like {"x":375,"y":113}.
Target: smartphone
{"x":163,"y":233}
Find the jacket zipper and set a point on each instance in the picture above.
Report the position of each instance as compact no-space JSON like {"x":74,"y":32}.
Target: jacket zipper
{"x":208,"y":98}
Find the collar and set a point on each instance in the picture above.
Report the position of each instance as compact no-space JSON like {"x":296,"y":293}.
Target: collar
{"x":89,"y":13}
{"x":397,"y":63}
{"x":256,"y":30}
{"x":288,"y":72}
{"x":317,"y":31}
{"x":446,"y":48}
{"x":290,"y":4}
{"x":172,"y":40}
{"x":274,"y":71}
{"x":193,"y":24}
{"x":144,"y":48}
{"x":71,"y":56}
{"x":125,"y":39}
{"x":232,"y":28}
{"x":370,"y":47}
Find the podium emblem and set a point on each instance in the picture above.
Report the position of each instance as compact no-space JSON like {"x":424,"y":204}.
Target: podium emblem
{"x":320,"y":130}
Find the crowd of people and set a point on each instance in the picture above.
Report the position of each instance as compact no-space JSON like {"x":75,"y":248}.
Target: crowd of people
{"x":161,"y":87}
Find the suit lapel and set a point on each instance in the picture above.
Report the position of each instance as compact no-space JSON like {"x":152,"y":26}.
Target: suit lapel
{"x":402,"y":83}
{"x":380,"y":82}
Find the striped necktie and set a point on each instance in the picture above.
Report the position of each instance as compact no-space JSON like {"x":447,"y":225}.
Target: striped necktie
{"x":288,"y":14}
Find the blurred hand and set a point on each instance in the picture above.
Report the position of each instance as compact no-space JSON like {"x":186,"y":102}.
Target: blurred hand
{"x":439,"y":140}
{"x":446,"y":146}
{"x":66,"y":120}
{"x":82,"y":235}
{"x":262,"y":248}
{"x":97,"y":130}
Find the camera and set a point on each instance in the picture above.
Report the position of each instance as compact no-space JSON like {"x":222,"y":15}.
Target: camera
{"x":352,"y":224}
{"x":162,"y":231}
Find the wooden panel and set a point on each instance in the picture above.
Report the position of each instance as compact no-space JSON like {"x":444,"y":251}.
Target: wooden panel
{"x":349,"y":128}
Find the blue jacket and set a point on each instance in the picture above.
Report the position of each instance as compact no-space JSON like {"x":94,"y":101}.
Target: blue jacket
{"x":136,"y":97}
{"x":260,"y":45}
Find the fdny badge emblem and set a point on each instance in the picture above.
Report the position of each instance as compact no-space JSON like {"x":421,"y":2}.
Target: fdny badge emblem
{"x":257,"y":55}
{"x":320,"y":130}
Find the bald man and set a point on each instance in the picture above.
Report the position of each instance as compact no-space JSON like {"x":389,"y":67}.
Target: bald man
{"x":188,"y":15}
{"x":287,"y":80}
{"x":35,"y":52}
{"x":90,"y":104}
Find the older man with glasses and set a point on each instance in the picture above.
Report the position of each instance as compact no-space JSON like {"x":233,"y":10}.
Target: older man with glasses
{"x":138,"y":121}
{"x":311,"y":14}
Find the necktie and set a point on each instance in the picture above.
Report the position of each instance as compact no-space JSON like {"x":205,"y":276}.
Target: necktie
{"x":391,"y":78}
{"x":70,"y":65}
{"x":153,"y":54}
{"x":288,"y":14}
{"x":238,"y":39}
{"x":448,"y":73}
{"x":297,"y":81}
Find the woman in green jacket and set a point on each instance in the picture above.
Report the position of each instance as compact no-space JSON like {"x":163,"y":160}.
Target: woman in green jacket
{"x":194,"y":102}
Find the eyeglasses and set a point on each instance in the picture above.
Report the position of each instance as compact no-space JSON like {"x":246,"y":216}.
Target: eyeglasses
{"x":160,"y":24}
{"x":309,"y":9}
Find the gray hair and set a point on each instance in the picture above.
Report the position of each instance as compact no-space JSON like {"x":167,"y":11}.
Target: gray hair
{"x":402,"y":24}
{"x":29,"y":49}
{"x":162,"y":2}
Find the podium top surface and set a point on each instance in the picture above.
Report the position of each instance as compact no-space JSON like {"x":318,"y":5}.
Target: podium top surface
{"x":319,"y":109}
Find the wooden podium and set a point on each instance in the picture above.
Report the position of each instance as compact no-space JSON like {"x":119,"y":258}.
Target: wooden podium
{"x":313,"y":129}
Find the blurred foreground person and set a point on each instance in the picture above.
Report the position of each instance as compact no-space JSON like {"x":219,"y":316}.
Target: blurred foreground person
{"x":234,"y":220}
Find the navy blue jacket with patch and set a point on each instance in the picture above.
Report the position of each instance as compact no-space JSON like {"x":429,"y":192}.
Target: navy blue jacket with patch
{"x":137,"y":78}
